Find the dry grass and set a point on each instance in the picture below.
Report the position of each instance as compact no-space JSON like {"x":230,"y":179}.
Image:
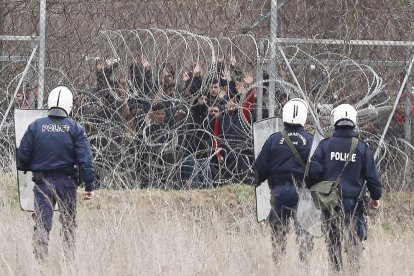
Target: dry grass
{"x":152,"y":232}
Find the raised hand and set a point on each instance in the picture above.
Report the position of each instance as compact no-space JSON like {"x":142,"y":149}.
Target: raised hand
{"x":185,"y":77}
{"x":226,"y":74}
{"x":233,"y":61}
{"x":100,"y":66}
{"x":248,"y":78}
{"x":197,"y":69}
{"x":240,"y":87}
{"x":144,"y":61}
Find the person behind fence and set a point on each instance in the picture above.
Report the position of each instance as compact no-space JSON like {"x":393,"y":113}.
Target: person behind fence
{"x":282,"y":162}
{"x":335,"y":158}
{"x":213,"y":95}
{"x":158,"y":147}
{"x":195,"y":170}
{"x":231,"y":143}
{"x":50,"y":148}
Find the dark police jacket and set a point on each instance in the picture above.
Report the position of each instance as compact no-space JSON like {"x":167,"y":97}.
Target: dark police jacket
{"x":329,"y":159}
{"x":277,"y":163}
{"x":57,"y":144}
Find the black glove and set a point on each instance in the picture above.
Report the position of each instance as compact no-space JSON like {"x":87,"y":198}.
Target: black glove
{"x":257,"y":180}
{"x":20,"y":166}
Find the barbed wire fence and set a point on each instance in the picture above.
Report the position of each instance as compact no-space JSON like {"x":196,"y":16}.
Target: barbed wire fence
{"x":141,"y":72}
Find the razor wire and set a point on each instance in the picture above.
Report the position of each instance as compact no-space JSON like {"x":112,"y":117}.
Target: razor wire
{"x":130,"y":72}
{"x":149,"y":123}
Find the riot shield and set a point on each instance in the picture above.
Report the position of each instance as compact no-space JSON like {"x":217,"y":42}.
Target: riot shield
{"x":309,"y":218}
{"x":261,"y":132}
{"x":22,"y":119}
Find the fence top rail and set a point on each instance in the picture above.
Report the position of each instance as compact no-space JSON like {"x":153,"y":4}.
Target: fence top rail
{"x":344,"y":42}
{"x":344,"y":62}
{"x":18,"y":38}
{"x":15,"y":58}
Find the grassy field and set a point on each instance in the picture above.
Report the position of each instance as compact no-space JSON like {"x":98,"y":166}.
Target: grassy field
{"x":152,"y":232}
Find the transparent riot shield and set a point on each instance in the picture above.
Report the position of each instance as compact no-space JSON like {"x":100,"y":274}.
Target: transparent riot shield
{"x":261,"y":132}
{"x":22,"y":119}
{"x":309,"y":218}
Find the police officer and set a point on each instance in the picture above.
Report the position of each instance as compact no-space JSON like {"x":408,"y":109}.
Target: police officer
{"x":51,"y":147}
{"x":284,"y":171}
{"x":327,"y":163}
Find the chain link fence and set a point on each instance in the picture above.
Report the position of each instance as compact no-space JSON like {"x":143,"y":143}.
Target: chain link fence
{"x":168,"y":90}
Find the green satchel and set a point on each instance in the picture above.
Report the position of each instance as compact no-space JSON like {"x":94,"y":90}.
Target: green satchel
{"x":324,"y":193}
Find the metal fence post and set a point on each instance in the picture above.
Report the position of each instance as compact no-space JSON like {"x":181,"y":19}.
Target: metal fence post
{"x":259,"y":76}
{"x":407,"y":131}
{"x":272,"y":70}
{"x":42,"y":50}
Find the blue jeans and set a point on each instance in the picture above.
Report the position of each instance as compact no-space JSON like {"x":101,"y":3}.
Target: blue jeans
{"x":197,"y":173}
{"x":54,"y":188}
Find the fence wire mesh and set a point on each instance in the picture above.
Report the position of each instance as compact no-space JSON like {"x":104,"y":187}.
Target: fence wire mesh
{"x":166,"y":88}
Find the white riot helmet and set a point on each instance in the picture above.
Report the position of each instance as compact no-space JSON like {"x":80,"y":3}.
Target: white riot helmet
{"x":295,"y":112}
{"x":61,"y":97}
{"x":344,"y":115}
